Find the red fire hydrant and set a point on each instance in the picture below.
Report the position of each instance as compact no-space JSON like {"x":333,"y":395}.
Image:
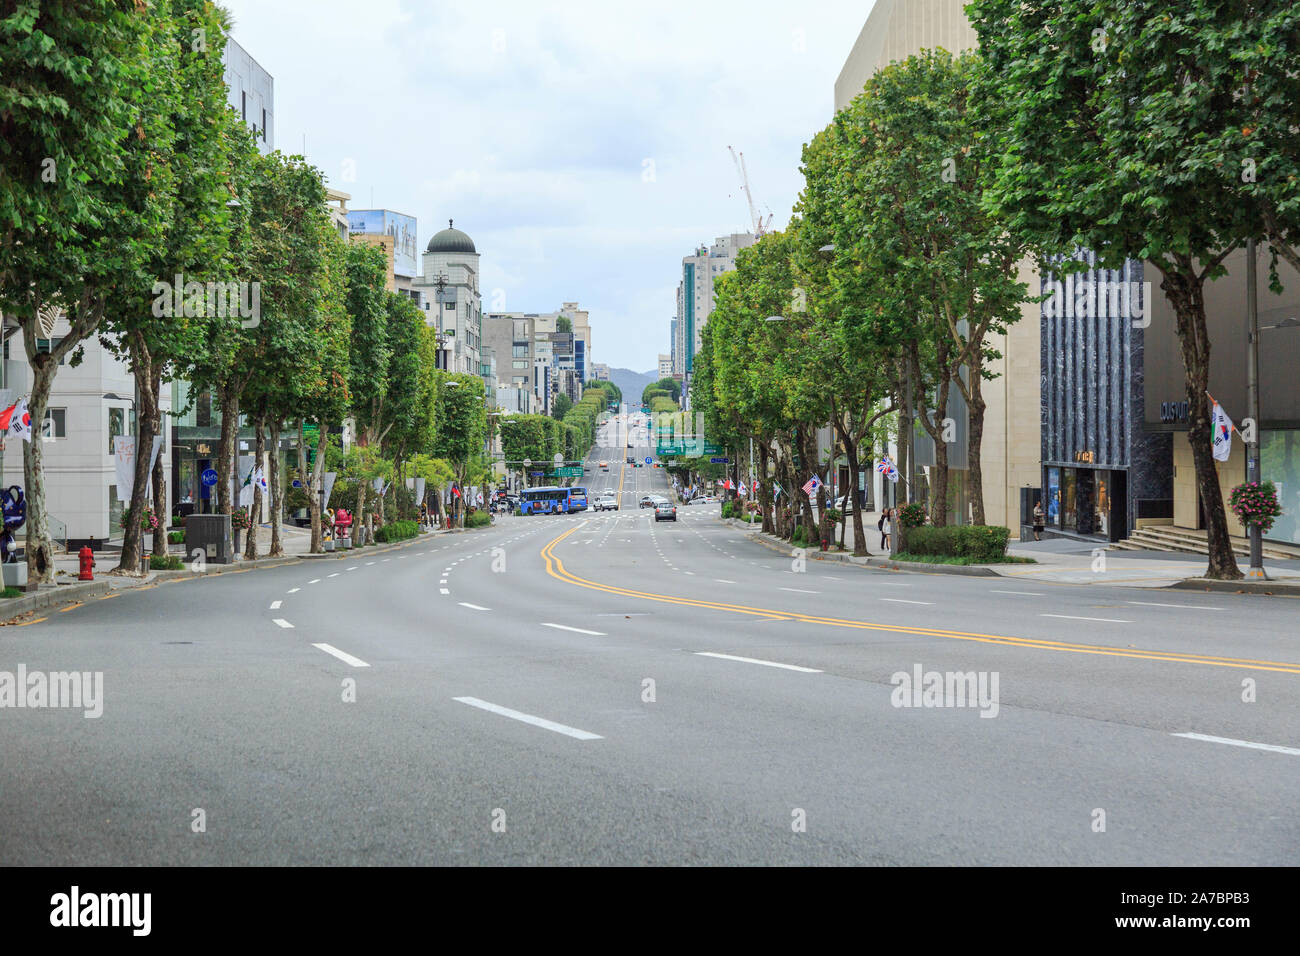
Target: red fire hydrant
{"x":87,"y":565}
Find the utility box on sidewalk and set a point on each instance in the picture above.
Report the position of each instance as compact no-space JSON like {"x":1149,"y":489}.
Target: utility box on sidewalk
{"x":210,"y":536}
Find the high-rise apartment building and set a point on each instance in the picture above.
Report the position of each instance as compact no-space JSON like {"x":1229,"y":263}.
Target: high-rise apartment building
{"x":695,"y":292}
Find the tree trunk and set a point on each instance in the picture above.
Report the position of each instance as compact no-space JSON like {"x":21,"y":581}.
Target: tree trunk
{"x":229,"y":400}
{"x":277,"y":491}
{"x":851,"y":494}
{"x":255,"y":509}
{"x":39,"y":547}
{"x":146,"y":428}
{"x":1186,"y":295}
{"x":160,"y":508}
{"x":975,"y":438}
{"x":317,"y":546}
{"x":360,"y":518}
{"x":765,"y":490}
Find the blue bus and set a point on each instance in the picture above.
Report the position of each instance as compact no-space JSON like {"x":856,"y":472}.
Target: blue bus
{"x":544,"y":501}
{"x":577,"y":499}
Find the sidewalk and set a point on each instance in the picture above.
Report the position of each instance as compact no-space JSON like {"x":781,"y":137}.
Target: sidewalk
{"x":1063,"y":561}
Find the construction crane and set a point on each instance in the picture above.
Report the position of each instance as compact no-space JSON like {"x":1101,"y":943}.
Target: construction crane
{"x":760,"y":225}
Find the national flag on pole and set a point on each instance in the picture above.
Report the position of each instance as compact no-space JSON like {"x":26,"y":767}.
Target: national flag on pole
{"x":743,"y":489}
{"x":886,"y":467}
{"x":261,"y":480}
{"x":727,"y":484}
{"x":811,"y":485}
{"x":777,"y":490}
{"x":1221,"y":433}
{"x":16,"y":421}
{"x":456,"y":491}
{"x":755,"y":489}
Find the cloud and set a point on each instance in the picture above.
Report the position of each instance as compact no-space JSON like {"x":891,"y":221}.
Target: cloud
{"x":582,"y":145}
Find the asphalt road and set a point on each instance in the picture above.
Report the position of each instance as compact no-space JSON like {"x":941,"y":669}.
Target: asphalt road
{"x":602,"y":688}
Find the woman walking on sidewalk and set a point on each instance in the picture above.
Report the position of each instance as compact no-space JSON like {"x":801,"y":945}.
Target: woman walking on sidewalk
{"x":885,"y":524}
{"x":1038,"y":521}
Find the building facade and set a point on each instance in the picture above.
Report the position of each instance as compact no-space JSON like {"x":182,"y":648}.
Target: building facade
{"x":450,"y":283}
{"x":695,"y":292}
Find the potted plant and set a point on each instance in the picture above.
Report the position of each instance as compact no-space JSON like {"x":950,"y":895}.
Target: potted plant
{"x":239,"y":521}
{"x":1255,"y":503}
{"x":148,"y":525}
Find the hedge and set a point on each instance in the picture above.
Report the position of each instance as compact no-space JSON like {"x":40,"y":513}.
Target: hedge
{"x":477,"y":519}
{"x":397,"y":531}
{"x":978,"y":542}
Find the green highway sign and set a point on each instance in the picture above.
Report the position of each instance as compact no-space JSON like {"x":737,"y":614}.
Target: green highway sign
{"x":572,"y":472}
{"x":712,"y":449}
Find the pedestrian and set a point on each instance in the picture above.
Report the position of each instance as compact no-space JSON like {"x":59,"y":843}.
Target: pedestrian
{"x":1038,"y":521}
{"x":884,"y":517}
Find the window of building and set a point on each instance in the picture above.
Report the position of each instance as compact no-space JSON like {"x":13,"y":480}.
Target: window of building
{"x":521,"y":351}
{"x":55,"y":424}
{"x":243,"y":105}
{"x":264,"y":126}
{"x":116,"y":425}
{"x":520,"y":365}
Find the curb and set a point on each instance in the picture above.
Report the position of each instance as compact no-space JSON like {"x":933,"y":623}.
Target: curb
{"x":1271,"y":588}
{"x":15,"y":608}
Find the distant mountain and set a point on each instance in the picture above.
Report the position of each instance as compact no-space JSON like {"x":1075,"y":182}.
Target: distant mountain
{"x":631,"y":383}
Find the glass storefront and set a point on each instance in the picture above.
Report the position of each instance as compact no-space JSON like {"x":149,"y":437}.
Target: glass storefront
{"x":1069,"y":511}
{"x":1279,"y":460}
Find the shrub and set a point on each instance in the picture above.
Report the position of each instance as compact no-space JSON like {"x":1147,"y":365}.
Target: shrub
{"x":1255,"y":503}
{"x":834,"y":515}
{"x":477,"y":519}
{"x":176,"y":537}
{"x":11,"y":593}
{"x":239,"y":520}
{"x":396,"y":531}
{"x":165,"y":562}
{"x":977,"y":542}
{"x":911,"y":516}
{"x":799,"y":537}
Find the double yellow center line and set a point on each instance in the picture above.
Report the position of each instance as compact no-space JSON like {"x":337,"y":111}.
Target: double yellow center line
{"x":556,"y":569}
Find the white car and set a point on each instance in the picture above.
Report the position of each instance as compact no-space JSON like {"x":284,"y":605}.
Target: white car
{"x":606,"y":502}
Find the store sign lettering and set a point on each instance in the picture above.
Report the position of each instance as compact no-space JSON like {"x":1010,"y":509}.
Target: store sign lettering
{"x":1173,"y":412}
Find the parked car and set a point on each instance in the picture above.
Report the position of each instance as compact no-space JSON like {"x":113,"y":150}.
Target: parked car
{"x":665,"y":511}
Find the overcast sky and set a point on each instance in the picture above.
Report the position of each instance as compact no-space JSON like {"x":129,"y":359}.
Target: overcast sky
{"x":583,"y":146}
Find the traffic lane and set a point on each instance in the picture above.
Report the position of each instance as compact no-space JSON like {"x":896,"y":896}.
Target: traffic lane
{"x":1118,"y":617}
{"x":1175,"y":694}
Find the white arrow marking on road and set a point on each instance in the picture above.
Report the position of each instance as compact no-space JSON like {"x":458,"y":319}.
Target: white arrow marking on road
{"x":901,"y":601}
{"x":341,"y":655}
{"x":275,"y":605}
{"x":474,"y":607}
{"x":1075,"y":617}
{"x":1181,"y":607}
{"x":1242,"y":743}
{"x":577,"y":630}
{"x":528,"y":719}
{"x":282,"y":622}
{"x":755,"y":660}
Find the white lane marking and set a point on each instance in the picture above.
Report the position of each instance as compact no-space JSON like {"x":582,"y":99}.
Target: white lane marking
{"x":443,"y":581}
{"x":1242,"y":743}
{"x":474,"y":607}
{"x":691,"y":573}
{"x":528,"y":719}
{"x":334,"y":575}
{"x":443,"y":591}
{"x":275,"y":605}
{"x":369,"y":563}
{"x":446,"y":570}
{"x":801,"y":590}
{"x":282,"y":622}
{"x":755,"y":660}
{"x":341,"y":655}
{"x":723,"y":581}
{"x":902,"y":601}
{"x":353,"y":568}
{"x":386,"y":559}
{"x":314,"y":581}
{"x":293,"y":590}
{"x":1075,"y":617}
{"x":1181,"y":607}
{"x":576,"y":630}
{"x":1024,"y":593}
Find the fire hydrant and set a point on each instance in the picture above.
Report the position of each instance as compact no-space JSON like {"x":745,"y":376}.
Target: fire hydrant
{"x":87,"y":565}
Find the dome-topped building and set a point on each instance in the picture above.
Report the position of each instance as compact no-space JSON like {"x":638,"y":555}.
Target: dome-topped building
{"x":449,"y":291}
{"x":453,"y":241}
